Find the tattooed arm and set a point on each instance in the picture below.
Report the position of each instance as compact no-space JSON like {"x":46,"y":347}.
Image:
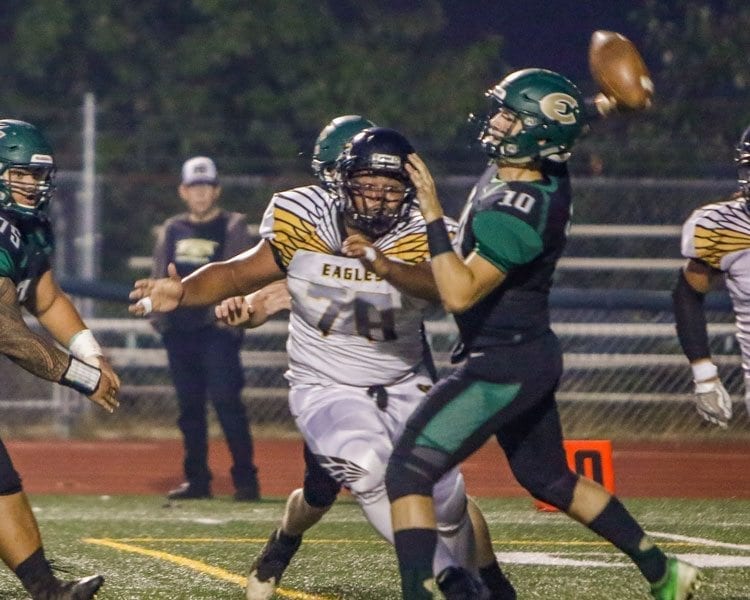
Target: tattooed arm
{"x":59,"y":316}
{"x":42,"y":358}
{"x":23,"y":346}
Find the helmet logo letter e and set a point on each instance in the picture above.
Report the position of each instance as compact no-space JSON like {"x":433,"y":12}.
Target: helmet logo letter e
{"x":559,"y":107}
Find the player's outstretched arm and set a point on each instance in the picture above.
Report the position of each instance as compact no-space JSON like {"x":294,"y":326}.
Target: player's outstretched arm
{"x":712,"y":401}
{"x":160,"y":295}
{"x":210,"y":284}
{"x":42,"y":358}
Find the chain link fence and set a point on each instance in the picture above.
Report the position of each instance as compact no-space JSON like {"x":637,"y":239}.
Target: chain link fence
{"x":625,"y":376}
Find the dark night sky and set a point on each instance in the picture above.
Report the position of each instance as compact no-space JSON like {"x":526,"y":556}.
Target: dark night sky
{"x":552,"y":34}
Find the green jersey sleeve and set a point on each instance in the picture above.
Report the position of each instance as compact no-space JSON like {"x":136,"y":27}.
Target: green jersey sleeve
{"x":505,"y":240}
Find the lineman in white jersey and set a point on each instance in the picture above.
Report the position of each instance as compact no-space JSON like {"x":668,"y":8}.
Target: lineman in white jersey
{"x":355,"y":342}
{"x":716,"y":242}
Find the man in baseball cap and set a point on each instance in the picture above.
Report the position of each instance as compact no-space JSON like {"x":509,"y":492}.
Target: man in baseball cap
{"x":204,"y":358}
{"x":199,"y":169}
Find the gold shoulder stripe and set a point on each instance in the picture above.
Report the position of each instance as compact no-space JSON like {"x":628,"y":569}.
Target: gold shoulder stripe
{"x":713,"y":244}
{"x":292,"y":233}
{"x":411,"y":248}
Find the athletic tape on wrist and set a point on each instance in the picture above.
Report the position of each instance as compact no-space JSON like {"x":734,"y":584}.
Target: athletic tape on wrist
{"x":81,"y":377}
{"x":703,"y":371}
{"x":370,"y":254}
{"x":438,"y":239}
{"x":83,"y":345}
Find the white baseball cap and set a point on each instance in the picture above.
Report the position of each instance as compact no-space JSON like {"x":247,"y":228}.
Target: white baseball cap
{"x":199,"y":169}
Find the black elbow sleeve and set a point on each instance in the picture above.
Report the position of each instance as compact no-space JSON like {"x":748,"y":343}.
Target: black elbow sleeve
{"x":690,"y":320}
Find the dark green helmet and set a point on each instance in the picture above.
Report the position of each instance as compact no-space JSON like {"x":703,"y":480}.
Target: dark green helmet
{"x":24,"y":148}
{"x":331,"y":143}
{"x":550,"y":110}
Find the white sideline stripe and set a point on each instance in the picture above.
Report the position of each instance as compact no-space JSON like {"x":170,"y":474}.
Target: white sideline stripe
{"x":697,"y":540}
{"x":559,"y":560}
{"x":556,"y":560}
{"x":716,"y":561}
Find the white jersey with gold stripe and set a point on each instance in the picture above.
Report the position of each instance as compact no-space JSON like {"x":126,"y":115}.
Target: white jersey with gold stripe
{"x":346,"y":325}
{"x":719,"y":235}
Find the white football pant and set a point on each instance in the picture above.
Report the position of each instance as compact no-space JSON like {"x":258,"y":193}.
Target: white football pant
{"x":353,"y":439}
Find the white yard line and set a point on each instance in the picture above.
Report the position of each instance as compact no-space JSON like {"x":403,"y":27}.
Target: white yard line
{"x":698,"y":541}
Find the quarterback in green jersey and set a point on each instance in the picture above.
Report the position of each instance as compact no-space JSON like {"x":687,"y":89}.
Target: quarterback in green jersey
{"x":496,"y":283}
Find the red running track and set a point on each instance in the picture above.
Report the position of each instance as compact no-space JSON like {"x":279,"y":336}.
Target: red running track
{"x":676,"y":470}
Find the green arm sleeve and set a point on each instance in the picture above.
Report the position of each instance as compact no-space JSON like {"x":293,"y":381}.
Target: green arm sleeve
{"x":504,"y":240}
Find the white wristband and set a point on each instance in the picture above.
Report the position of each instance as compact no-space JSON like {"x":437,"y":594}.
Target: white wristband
{"x":81,"y":377}
{"x":83,"y":345}
{"x":704,"y":370}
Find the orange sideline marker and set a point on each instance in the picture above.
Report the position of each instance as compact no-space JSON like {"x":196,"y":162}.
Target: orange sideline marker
{"x":590,"y":458}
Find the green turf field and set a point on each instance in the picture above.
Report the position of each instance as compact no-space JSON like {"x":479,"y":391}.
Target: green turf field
{"x":201,"y":549}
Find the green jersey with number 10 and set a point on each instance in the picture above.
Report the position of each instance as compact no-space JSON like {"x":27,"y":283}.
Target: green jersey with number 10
{"x":521,"y":227}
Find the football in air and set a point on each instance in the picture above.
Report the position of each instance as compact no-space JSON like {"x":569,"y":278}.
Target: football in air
{"x":618,"y":68}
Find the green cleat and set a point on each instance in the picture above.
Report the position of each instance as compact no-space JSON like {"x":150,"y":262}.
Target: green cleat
{"x":679,"y":582}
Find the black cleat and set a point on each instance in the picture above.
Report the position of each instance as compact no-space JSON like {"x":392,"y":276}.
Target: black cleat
{"x":80,"y":589}
{"x":457,"y":583}
{"x":267,"y":569}
{"x":247,"y":493}
{"x":189,"y":491}
{"x":499,"y":586}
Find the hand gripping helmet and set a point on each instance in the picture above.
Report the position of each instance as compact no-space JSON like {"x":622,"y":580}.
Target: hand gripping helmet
{"x":23,"y":147}
{"x":742,"y":160}
{"x":374,"y":151}
{"x":549,"y":108}
{"x":331,"y":142}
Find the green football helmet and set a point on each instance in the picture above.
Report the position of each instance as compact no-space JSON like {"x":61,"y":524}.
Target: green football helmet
{"x":331,"y":142}
{"x":549,"y":108}
{"x":24,"y":148}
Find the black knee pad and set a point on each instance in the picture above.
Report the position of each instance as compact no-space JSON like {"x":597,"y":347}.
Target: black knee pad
{"x":405,"y":476}
{"x":558,"y":493}
{"x":319,"y":488}
{"x":10,"y":482}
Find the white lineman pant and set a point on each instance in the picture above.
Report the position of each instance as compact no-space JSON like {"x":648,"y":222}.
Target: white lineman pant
{"x":353,"y":438}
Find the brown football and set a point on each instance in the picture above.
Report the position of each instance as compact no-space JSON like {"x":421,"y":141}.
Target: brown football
{"x":617,"y":66}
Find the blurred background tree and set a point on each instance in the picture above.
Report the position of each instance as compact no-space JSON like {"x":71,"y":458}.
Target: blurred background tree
{"x":252,"y":83}
{"x":698,"y":53}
